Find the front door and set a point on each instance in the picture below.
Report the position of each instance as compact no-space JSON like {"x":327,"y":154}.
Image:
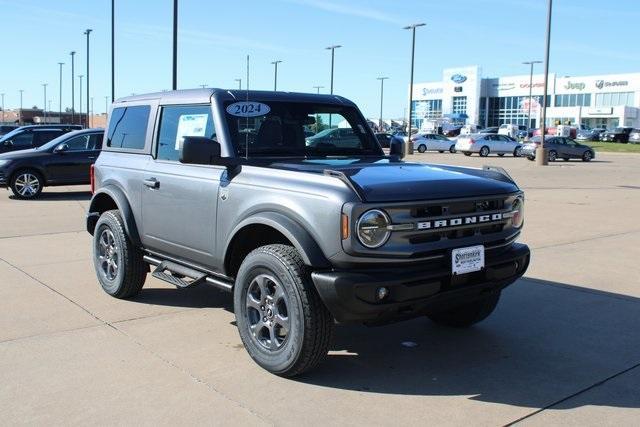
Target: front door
{"x":71,"y":165}
{"x":179,"y":201}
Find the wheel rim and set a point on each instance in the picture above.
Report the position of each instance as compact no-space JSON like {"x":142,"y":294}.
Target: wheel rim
{"x":587,"y":155}
{"x":422,"y":149}
{"x":108,"y":256}
{"x":27,"y":184}
{"x":552,"y":156}
{"x":517,"y":152}
{"x":484,"y":151}
{"x":267,"y":312}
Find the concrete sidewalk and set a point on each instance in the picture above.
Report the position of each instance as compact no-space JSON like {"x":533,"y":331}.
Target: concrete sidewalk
{"x":563,"y":347}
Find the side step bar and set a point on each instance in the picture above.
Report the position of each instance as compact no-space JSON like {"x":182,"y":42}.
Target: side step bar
{"x":176,"y":274}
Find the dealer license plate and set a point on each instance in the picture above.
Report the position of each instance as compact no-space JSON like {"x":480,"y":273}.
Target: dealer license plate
{"x":467,"y":260}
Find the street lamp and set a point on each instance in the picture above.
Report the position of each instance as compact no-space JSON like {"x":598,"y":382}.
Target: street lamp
{"x":318,"y":88}
{"x":91,"y":115}
{"x":73,"y":100}
{"x":44,"y":106}
{"x":382,"y":79}
{"x":20,"y":117}
{"x":87,"y":32}
{"x":541,"y":152}
{"x":275,"y":76}
{"x":531,"y":63}
{"x":60,"y":87}
{"x":175,"y":45}
{"x":332,"y":49}
{"x":409,"y":147}
{"x":239,"y":83}
{"x":113,"y":54}
{"x":80,"y":100}
{"x":2,"y":95}
{"x":203,"y":86}
{"x":106,"y":105}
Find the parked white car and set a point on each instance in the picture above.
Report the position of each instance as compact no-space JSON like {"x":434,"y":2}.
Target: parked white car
{"x":432,"y":142}
{"x":485,"y":144}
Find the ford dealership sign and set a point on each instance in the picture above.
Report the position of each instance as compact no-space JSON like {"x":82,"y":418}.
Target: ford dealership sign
{"x":459,"y":78}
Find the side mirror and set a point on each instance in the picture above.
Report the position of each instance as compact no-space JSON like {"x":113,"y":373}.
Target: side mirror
{"x":396,"y":147}
{"x":8,"y":143}
{"x":61,"y":148}
{"x":199,"y":150}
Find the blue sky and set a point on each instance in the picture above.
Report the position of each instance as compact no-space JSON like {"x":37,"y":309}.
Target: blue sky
{"x":588,"y":37}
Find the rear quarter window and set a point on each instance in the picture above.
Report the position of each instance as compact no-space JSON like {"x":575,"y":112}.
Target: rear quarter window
{"x":128,"y":127}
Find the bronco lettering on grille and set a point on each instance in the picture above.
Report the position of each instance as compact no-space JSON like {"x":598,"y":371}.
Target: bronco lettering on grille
{"x":452,"y":222}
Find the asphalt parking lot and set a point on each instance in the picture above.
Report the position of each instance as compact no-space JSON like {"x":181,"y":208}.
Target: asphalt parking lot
{"x":563,"y":347}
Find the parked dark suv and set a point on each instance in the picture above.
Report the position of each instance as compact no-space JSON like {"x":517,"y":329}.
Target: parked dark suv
{"x":5,"y":129}
{"x":33,"y":136}
{"x":65,"y":160}
{"x":619,"y":134}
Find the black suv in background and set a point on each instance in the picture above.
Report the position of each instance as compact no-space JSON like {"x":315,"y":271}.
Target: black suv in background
{"x":619,"y":134}
{"x":34,"y":136}
{"x":65,"y":160}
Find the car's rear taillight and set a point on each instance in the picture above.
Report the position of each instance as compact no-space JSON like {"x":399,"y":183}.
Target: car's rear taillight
{"x":472,"y":141}
{"x":92,"y":179}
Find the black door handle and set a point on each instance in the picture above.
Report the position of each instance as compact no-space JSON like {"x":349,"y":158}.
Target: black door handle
{"x":152,"y":183}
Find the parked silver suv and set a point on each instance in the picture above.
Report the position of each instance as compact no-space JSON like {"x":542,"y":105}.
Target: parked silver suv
{"x":226,"y":188}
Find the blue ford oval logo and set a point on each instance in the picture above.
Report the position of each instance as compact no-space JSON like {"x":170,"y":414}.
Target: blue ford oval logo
{"x":459,"y":78}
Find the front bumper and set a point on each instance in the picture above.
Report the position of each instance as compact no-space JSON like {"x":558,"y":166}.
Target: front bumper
{"x":350,"y":295}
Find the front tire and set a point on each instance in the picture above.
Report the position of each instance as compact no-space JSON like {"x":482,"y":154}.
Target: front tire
{"x":27,"y":184}
{"x":452,"y":149}
{"x":118,"y":262}
{"x":553,"y":156}
{"x":422,"y":148}
{"x":467,"y":314}
{"x":282,"y":322}
{"x":517,"y":152}
{"x":587,"y":156}
{"x":484,"y":151}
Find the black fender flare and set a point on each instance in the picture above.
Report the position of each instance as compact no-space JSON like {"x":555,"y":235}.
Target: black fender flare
{"x":309,"y":250}
{"x":121,"y":201}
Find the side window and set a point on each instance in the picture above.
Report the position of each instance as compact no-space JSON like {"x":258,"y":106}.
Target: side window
{"x":79,"y":143}
{"x":128,"y":127}
{"x":177,"y":122}
{"x":42,"y":137}
{"x":95,"y":143}
{"x":22,"y":140}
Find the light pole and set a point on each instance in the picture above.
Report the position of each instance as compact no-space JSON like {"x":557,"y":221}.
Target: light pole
{"x":530,"y":89}
{"x":541,"y":153}
{"x":318,"y":88}
{"x":382,"y":79}
{"x":20,"y":117}
{"x":73,"y":97}
{"x":239,"y":83}
{"x":91,"y":115}
{"x":106,"y":105}
{"x":44,"y":106}
{"x":80,"y":100}
{"x":175,"y":45}
{"x":203,"y":86}
{"x":87,"y":32}
{"x":113,"y":50}
{"x":409,"y":147}
{"x":332,"y":49}
{"x":318,"y":91}
{"x":2,"y":94}
{"x":60,"y":87}
{"x":275,"y":76}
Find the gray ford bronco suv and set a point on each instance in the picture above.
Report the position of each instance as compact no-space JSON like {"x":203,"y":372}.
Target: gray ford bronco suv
{"x":228,"y":188}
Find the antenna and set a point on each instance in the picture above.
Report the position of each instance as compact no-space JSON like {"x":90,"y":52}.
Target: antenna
{"x":246,"y":135}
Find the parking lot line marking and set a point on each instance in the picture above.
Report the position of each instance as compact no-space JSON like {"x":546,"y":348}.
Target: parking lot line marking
{"x":588,"y":239}
{"x":584,"y":390}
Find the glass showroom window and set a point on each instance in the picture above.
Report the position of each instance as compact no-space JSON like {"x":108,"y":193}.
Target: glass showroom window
{"x":459,"y":105}
{"x":614,"y":99}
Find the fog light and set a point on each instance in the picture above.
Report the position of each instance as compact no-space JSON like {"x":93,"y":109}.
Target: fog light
{"x":381,"y":293}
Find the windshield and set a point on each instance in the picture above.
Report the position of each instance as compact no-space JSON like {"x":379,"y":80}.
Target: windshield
{"x":277,"y":129}
{"x":10,"y":134}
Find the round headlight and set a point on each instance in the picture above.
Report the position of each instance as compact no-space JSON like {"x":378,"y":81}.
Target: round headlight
{"x":517,"y":207}
{"x":372,"y":228}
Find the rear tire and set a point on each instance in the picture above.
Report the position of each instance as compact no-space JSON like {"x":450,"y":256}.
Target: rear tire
{"x":422,"y":148}
{"x":532,"y":158}
{"x":27,"y":184}
{"x":283,"y":324}
{"x":468,"y":314}
{"x":553,"y":156}
{"x":484,"y":151}
{"x":118,"y":262}
{"x":517,"y":152}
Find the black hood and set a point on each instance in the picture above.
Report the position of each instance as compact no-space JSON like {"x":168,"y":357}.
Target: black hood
{"x":388,"y":181}
{"x":21,"y":154}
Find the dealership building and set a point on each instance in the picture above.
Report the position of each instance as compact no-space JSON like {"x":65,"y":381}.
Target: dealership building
{"x":464,"y":96}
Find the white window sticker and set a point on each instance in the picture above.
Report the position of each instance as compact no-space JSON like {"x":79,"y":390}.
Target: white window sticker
{"x":190,"y":125}
{"x":248,"y":109}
